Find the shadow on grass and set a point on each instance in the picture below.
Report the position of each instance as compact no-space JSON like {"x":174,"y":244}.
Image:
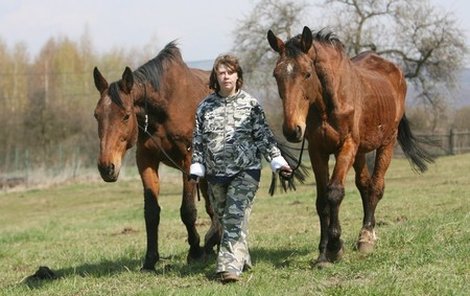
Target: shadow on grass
{"x":174,"y":265}
{"x":279,"y":258}
{"x":103,"y":268}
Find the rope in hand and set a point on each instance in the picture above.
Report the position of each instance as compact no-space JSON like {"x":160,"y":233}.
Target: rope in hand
{"x":287,"y":180}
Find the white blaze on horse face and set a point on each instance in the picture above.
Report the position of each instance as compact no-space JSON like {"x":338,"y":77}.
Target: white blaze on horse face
{"x":107,"y":104}
{"x":289,"y":68}
{"x":107,"y":101}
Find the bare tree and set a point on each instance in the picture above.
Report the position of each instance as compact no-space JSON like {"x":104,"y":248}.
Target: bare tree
{"x":285,"y":17}
{"x":425,"y":41}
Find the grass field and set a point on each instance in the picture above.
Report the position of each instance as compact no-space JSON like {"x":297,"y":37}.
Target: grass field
{"x":92,"y":236}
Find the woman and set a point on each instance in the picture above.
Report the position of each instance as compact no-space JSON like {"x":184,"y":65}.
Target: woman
{"x":229,"y":137}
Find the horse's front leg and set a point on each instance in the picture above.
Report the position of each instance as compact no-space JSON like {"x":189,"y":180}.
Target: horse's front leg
{"x":150,"y":181}
{"x":188,"y":214}
{"x":320,"y":168}
{"x":335,"y":194}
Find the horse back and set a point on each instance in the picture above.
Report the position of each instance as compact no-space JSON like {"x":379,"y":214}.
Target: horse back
{"x":371,"y":65}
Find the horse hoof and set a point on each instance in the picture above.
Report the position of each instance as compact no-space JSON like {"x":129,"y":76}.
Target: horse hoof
{"x":144,"y":269}
{"x":366,"y":241}
{"x":336,"y":255}
{"x":321,"y":264}
{"x":197,"y":255}
{"x":365,"y":248}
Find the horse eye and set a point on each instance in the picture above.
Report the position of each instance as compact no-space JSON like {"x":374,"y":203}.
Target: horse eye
{"x":307,"y":75}
{"x":126,"y":117}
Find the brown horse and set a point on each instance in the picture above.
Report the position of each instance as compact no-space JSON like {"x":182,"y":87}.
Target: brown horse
{"x":345,"y":107}
{"x":153,"y":108}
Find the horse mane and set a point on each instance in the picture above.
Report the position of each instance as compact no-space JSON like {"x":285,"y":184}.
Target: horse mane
{"x":323,"y":36}
{"x":153,"y":70}
{"x":113,"y":92}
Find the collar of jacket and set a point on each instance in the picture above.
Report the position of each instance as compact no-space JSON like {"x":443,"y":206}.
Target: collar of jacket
{"x":230,"y":98}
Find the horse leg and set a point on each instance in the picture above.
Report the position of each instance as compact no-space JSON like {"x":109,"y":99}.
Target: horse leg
{"x":363,"y":180}
{"x":151,"y":184}
{"x":320,"y":168}
{"x":214,"y":234}
{"x":188,"y":214}
{"x":375,"y":191}
{"x":335,"y":194}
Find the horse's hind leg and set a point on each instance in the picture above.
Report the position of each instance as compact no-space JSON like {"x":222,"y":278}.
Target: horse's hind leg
{"x":214,"y":234}
{"x":372,"y":190}
{"x":366,"y":239}
{"x":188,"y":213}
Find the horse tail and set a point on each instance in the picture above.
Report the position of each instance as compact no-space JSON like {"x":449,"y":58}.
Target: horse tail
{"x":411,"y":146}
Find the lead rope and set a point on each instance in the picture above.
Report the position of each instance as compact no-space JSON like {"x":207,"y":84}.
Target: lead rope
{"x":300,"y":156}
{"x":145,"y":130}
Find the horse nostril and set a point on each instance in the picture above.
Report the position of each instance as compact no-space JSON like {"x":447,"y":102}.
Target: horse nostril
{"x":293,"y":134}
{"x":106,"y":170}
{"x":110,"y":169}
{"x":298,"y":132}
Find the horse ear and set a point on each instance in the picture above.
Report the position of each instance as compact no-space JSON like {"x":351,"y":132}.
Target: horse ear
{"x":306,"y":40}
{"x":275,"y":42}
{"x":127,"y":81}
{"x":100,"y":83}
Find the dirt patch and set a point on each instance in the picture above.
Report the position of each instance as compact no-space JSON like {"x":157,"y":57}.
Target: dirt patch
{"x":126,"y":230}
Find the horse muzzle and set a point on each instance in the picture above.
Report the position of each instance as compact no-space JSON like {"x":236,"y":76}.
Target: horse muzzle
{"x":294,"y":134}
{"x":108,"y":172}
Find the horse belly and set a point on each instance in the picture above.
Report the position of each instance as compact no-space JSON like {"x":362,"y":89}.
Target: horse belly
{"x":375,"y":136}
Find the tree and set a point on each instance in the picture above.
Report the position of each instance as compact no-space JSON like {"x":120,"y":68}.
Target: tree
{"x":461,"y":119}
{"x":423,"y":40}
{"x":13,"y":99}
{"x":285,"y":17}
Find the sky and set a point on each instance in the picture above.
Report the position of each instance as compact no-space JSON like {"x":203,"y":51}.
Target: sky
{"x":203,"y":28}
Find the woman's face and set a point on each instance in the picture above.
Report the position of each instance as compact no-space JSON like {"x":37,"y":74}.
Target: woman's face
{"x":227,"y":80}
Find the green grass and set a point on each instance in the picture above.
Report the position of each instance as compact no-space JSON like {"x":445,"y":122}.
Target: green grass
{"x":92,"y":236}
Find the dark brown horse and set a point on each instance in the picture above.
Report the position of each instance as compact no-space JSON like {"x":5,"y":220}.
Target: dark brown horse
{"x":345,"y":107}
{"x":153,"y":108}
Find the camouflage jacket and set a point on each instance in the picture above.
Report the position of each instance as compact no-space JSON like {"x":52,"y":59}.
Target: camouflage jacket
{"x":230,"y":136}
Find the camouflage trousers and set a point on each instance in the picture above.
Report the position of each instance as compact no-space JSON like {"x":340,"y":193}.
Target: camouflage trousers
{"x":232,"y":203}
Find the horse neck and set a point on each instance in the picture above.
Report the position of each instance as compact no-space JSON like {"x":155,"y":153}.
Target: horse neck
{"x":147,"y":98}
{"x":333,"y":69}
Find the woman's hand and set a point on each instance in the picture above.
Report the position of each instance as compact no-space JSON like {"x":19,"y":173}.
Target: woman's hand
{"x":285,"y":171}
{"x":194,"y":179}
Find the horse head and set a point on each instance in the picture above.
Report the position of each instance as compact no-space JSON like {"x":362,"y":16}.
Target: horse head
{"x":117,"y":122}
{"x":297,"y":80}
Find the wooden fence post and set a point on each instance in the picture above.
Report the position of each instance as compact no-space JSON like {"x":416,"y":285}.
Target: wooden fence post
{"x":451,"y":142}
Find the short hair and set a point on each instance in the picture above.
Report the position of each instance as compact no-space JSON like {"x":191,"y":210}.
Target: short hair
{"x":231,"y":62}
